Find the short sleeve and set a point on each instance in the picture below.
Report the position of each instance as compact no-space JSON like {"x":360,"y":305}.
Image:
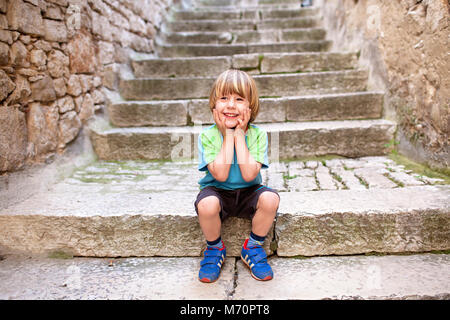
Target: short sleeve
{"x":208,"y":148}
{"x":258,"y":145}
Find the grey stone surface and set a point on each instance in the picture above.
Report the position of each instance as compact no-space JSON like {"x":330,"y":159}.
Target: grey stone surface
{"x":421,"y":276}
{"x":288,"y":140}
{"x":232,"y":25}
{"x":37,"y":278}
{"x":127,"y":208}
{"x":281,"y":84}
{"x":187,"y":67}
{"x":240,"y":13}
{"x":246,"y":36}
{"x":411,"y":219}
{"x":361,"y":105}
{"x":143,"y":113}
{"x":191,"y":50}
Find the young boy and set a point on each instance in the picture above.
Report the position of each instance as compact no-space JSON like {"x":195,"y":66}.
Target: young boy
{"x":232,"y":152}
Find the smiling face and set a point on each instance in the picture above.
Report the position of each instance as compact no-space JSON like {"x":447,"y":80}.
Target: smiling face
{"x":231,"y":107}
{"x":233,"y":92}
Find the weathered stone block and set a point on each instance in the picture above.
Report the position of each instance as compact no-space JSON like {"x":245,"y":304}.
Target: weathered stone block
{"x":55,"y":30}
{"x":69,"y":126}
{"x":176,"y":67}
{"x":13,"y":138}
{"x":411,"y":219}
{"x":43,"y":90}
{"x":6,"y":85}
{"x":133,"y":114}
{"x":25,"y":17}
{"x":42,"y":125}
{"x":82,"y":54}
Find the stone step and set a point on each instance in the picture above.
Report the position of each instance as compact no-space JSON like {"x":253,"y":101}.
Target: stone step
{"x":419,"y":276}
{"x":236,"y":25}
{"x":190,"y":50}
{"x":289,"y":84}
{"x":240,"y":2}
{"x":256,"y":63}
{"x":74,"y":219}
{"x":349,"y":138}
{"x":236,"y":37}
{"x":345,"y":106}
{"x":243,"y":13}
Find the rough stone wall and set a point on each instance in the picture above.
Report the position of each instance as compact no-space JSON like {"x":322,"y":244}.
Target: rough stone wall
{"x":405,"y":45}
{"x":55,"y":57}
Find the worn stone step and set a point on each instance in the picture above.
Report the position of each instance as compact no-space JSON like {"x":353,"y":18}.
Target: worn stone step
{"x":189,"y":50}
{"x":74,"y":219}
{"x":289,"y":84}
{"x":243,"y":13}
{"x":345,"y":106}
{"x":238,"y":2}
{"x":419,"y":276}
{"x":350,"y":138}
{"x":257,"y":63}
{"x":417,"y":217}
{"x":235,"y":25}
{"x":242,"y":3}
{"x":263,"y":36}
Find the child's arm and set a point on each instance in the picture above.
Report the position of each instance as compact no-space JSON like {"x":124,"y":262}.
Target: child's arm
{"x":220,"y":167}
{"x":247,"y":164}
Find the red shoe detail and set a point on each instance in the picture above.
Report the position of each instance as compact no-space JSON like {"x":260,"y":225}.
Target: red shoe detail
{"x":245,"y":244}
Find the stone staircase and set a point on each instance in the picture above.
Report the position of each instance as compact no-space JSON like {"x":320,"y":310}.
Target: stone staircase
{"x":137,"y":199}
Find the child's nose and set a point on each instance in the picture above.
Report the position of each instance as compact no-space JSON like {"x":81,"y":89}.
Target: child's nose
{"x":231,"y":102}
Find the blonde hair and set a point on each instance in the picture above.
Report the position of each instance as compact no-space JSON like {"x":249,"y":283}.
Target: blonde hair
{"x":237,"y":82}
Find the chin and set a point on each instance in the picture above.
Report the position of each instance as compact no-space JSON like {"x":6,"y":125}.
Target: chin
{"x":231,"y":125}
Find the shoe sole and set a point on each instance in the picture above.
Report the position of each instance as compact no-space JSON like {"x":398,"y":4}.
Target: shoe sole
{"x":251,"y":272}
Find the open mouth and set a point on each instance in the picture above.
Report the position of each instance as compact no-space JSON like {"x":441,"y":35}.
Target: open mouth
{"x":231,"y":115}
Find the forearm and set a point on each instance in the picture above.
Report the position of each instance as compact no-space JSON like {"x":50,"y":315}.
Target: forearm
{"x":220,"y":167}
{"x":247,"y":164}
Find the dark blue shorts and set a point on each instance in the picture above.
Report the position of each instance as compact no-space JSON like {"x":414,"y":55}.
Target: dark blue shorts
{"x":239,"y":203}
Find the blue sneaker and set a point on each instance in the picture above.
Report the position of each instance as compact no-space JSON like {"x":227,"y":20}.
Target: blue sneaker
{"x":256,"y":259}
{"x":211,"y":264}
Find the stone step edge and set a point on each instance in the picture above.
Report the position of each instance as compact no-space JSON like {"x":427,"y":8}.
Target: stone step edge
{"x":256,"y":63}
{"x":409,"y":219}
{"x":137,"y":59}
{"x":114,"y":98}
{"x":242,"y":10}
{"x":100,"y":127}
{"x":240,"y":48}
{"x":272,"y":110}
{"x":239,"y":45}
{"x":129,"y":76}
{"x":284,"y":84}
{"x":250,"y":21}
{"x":164,"y":35}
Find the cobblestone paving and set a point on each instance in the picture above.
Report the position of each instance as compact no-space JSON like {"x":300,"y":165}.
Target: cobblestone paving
{"x":334,"y":174}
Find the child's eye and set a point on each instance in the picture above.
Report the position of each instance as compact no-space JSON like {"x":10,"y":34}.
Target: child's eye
{"x":223,"y":98}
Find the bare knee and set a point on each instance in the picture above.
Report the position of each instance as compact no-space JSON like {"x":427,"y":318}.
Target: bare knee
{"x":208,"y":206}
{"x":268,"y":201}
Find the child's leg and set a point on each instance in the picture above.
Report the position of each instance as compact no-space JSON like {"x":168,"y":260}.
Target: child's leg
{"x":209,"y":217}
{"x":252,"y":252}
{"x":266,"y":210}
{"x":208,"y":210}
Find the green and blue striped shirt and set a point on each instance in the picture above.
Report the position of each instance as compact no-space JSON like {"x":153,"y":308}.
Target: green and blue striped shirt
{"x":209,"y":145}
